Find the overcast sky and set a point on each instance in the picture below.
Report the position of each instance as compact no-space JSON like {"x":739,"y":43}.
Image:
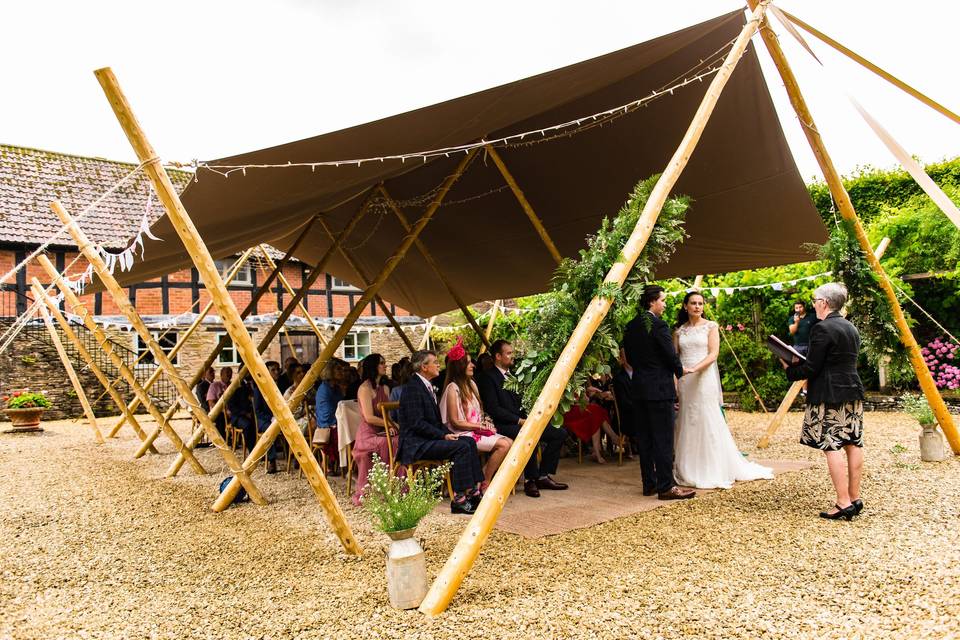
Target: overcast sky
{"x":210,"y":78}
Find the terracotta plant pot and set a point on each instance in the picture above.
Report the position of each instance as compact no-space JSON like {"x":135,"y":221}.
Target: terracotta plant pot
{"x":25,"y":420}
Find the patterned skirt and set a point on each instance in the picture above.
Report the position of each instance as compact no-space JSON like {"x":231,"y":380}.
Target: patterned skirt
{"x":831,"y":426}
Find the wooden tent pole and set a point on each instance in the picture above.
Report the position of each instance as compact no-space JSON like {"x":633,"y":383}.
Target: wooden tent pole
{"x":525,"y":204}
{"x":490,"y":323}
{"x":697,"y":282}
{"x":232,"y":321}
{"x":795,"y":388}
{"x":286,"y":285}
{"x":284,"y":332}
{"x":88,"y":359}
{"x":264,"y":442}
{"x":863,"y":62}
{"x":849,"y":214}
{"x":428,"y":258}
{"x":366,"y":283}
{"x":160,"y":357}
{"x":65,"y":359}
{"x":425,"y":338}
{"x":173,"y":353}
{"x":743,"y":369}
{"x":278,"y":324}
{"x":116,"y":360}
{"x":468,"y":546}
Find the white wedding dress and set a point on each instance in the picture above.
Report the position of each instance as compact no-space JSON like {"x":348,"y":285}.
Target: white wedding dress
{"x":705,"y":454}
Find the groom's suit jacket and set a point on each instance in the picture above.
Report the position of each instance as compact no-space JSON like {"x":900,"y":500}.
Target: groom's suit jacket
{"x":654,"y":360}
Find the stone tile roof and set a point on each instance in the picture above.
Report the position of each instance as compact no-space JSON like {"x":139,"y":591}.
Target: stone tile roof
{"x":31,"y":178}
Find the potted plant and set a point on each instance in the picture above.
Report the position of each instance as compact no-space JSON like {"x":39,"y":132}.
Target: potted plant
{"x":396,"y":506}
{"x":25,"y":409}
{"x":931,"y":440}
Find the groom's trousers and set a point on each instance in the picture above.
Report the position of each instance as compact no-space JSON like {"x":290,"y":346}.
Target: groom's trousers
{"x":654,"y":424}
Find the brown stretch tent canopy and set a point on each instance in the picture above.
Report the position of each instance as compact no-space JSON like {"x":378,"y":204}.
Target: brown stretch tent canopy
{"x":750,"y":208}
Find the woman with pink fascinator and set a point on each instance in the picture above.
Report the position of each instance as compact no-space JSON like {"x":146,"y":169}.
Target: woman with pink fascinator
{"x":461,"y":411}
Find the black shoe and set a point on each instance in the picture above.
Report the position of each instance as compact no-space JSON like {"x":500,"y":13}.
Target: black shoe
{"x":649,"y":492}
{"x":272,"y":466}
{"x":530,"y":488}
{"x":204,"y":445}
{"x":846,"y":513}
{"x":858,"y":505}
{"x":467,"y":507}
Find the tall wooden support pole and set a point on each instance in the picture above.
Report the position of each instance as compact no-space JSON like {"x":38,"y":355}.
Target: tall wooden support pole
{"x":116,"y":360}
{"x":278,"y":324}
{"x":242,"y":341}
{"x":428,"y":258}
{"x":173,"y":354}
{"x":91,"y":364}
{"x":361,"y":273}
{"x":38,"y":292}
{"x":525,"y":204}
{"x":425,"y":338}
{"x":845,"y":205}
{"x":468,"y":547}
{"x":293,"y":294}
{"x":160,"y":357}
{"x":492,"y":321}
{"x":264,"y":442}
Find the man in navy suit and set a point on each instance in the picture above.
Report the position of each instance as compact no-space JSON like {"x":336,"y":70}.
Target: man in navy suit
{"x":508,"y":416}
{"x":656,"y":365}
{"x":424,"y":437}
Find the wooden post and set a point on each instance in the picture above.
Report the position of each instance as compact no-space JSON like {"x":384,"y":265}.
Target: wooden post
{"x":366,"y":283}
{"x":490,"y":323}
{"x":278,"y":324}
{"x":468,"y":547}
{"x":162,"y":359}
{"x":863,"y":62}
{"x":116,"y":360}
{"x":242,"y":341}
{"x":781,"y":413}
{"x":428,"y":257}
{"x":65,"y":359}
{"x":849,"y":214}
{"x":697,"y":283}
{"x":743,"y":369}
{"x":286,"y":285}
{"x":425,"y":338}
{"x":527,"y":209}
{"x":264,"y":442}
{"x":173,"y":353}
{"x":86,"y":357}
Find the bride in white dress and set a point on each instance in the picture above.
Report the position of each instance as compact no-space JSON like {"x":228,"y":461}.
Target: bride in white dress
{"x":706,"y":456}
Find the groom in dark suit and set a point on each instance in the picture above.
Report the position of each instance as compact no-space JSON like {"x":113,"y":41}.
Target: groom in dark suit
{"x":505,"y":408}
{"x":649,"y":350}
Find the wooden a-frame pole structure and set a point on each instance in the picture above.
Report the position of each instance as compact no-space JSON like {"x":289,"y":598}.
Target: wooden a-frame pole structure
{"x":849,"y":214}
{"x":115,"y":359}
{"x":67,"y":365}
{"x":490,"y":323}
{"x":266,"y":440}
{"x":181,"y":341}
{"x":210,"y":276}
{"x":286,"y":285}
{"x":165,"y":364}
{"x":468,"y":547}
{"x":428,"y":258}
{"x":365,"y":281}
{"x":278,"y":324}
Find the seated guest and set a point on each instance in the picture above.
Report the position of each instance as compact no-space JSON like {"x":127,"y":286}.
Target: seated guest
{"x":508,"y":416}
{"x":403,"y":371}
{"x":240,"y":412}
{"x":217,"y":387}
{"x":461,"y":411}
{"x":264,"y":418}
{"x":296,"y":376}
{"x":585,"y":422}
{"x":621,"y":390}
{"x":203,"y":387}
{"x":371,"y":434}
{"x":484,"y":361}
{"x":353,"y":382}
{"x":329,"y":394}
{"x":424,"y":437}
{"x":286,"y":378}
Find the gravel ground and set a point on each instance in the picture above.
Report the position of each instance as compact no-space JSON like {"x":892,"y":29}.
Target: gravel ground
{"x":94,"y":544}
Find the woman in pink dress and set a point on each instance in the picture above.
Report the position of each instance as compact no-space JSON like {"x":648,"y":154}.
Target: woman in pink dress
{"x":461,"y":411}
{"x":371,"y":436}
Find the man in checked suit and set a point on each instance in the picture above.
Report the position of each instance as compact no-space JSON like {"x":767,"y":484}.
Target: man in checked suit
{"x":424,"y":437}
{"x":508,"y":416}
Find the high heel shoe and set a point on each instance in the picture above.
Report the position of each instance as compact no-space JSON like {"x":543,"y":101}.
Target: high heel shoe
{"x":858,"y":505}
{"x":846,"y":513}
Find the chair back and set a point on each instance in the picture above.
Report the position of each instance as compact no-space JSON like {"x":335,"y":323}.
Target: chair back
{"x":390,"y":425}
{"x":348,"y":422}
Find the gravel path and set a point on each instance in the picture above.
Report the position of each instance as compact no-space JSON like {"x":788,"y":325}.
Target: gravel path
{"x":94,"y":544}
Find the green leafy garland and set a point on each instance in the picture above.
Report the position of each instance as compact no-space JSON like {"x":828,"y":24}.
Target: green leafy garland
{"x":867,"y":305}
{"x":576,"y":282}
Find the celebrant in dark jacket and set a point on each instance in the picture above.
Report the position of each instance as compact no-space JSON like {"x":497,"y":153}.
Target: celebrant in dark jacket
{"x":833,"y":418}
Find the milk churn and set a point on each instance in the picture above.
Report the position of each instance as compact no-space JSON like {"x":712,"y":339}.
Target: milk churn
{"x":406,"y":570}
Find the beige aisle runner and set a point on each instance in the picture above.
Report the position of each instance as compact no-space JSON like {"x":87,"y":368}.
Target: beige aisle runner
{"x":597,"y":493}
